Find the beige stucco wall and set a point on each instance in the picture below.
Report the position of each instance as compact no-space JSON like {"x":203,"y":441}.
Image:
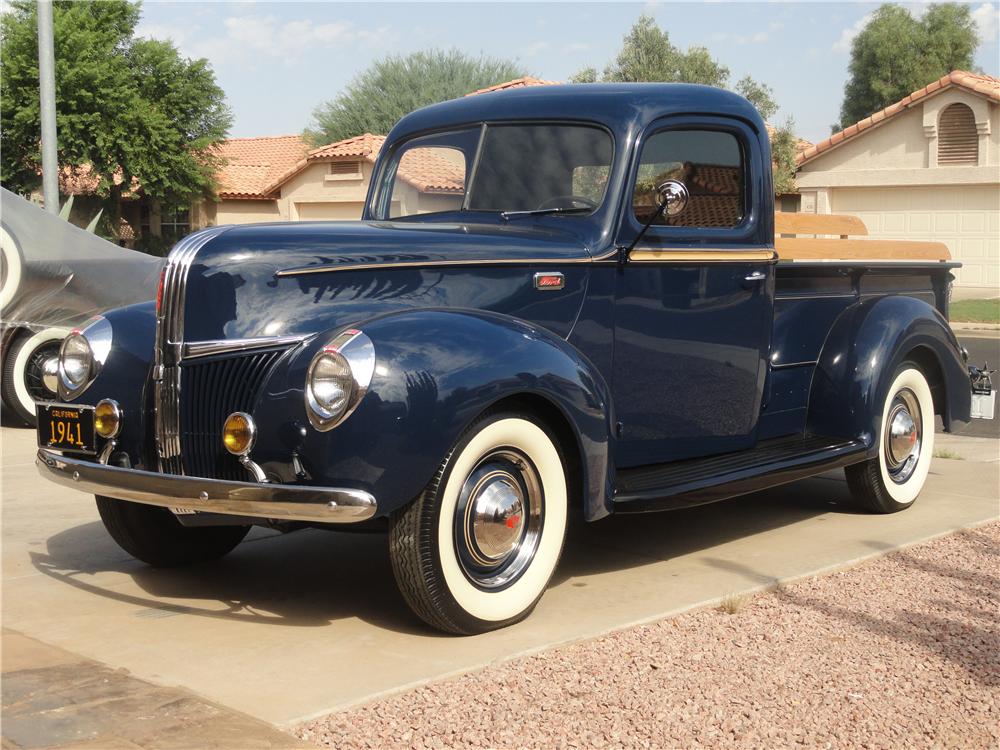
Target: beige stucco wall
{"x":315,"y":185}
{"x":240,"y":212}
{"x":889,"y":177}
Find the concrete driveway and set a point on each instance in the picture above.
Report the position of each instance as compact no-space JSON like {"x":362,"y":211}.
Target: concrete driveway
{"x":289,"y":627}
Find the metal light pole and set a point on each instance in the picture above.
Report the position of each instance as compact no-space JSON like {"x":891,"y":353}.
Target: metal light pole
{"x":47,"y":101}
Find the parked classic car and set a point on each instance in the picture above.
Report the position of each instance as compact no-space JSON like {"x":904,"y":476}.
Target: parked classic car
{"x":580,"y":312}
{"x":53,"y":276}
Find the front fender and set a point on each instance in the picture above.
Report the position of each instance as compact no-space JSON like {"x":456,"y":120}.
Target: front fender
{"x":866,"y":344}
{"x":435,"y":371}
{"x":125,"y":374}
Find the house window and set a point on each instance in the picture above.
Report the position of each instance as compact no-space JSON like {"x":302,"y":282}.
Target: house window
{"x":345,"y":170}
{"x":175,"y":223}
{"x":958,"y":141}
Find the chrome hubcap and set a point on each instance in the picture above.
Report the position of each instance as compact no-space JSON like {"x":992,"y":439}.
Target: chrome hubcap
{"x":498,"y":519}
{"x":902,"y":436}
{"x":50,"y":374}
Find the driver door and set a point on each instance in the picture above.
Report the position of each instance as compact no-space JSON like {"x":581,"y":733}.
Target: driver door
{"x":694,"y":302}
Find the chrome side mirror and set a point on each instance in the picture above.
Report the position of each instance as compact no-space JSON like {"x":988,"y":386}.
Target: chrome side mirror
{"x":672,"y":197}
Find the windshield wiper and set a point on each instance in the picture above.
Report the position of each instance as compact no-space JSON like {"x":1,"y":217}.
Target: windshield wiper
{"x":507,"y":215}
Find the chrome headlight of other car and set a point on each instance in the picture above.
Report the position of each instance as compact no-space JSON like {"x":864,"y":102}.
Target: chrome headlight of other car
{"x":338,"y":378}
{"x":81,"y":357}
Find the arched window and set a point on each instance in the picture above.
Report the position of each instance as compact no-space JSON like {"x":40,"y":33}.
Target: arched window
{"x":958,"y":141}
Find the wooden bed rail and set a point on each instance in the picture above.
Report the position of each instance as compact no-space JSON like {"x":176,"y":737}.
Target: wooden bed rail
{"x":812,"y":248}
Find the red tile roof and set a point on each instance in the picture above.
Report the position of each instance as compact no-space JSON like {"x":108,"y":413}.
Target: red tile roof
{"x":517,"y":83}
{"x":254,"y":164}
{"x":979,"y":84}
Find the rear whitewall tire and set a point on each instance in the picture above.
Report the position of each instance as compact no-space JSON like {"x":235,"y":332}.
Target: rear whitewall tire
{"x":873,"y":483}
{"x":424,"y":542}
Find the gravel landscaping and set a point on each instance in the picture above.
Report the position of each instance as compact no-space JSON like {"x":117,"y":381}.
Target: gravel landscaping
{"x":902,"y":651}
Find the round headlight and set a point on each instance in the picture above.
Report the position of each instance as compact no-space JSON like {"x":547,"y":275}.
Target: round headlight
{"x":107,"y":418}
{"x":76,"y":360}
{"x":329,"y":386}
{"x":239,"y":433}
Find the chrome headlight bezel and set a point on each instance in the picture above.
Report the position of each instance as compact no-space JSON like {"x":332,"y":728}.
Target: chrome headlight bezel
{"x":354,"y":354}
{"x":91,"y":344}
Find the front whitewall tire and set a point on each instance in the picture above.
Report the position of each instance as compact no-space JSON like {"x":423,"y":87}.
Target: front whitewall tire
{"x":432,"y":571}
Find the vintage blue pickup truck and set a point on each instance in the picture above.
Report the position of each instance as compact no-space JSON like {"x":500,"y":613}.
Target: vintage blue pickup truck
{"x":581,"y":311}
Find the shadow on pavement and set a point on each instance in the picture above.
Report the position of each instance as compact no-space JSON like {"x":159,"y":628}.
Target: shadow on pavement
{"x":310,"y":578}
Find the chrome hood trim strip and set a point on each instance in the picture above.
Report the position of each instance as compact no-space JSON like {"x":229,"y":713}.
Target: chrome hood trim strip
{"x":198,"y":349}
{"x":391,"y":265}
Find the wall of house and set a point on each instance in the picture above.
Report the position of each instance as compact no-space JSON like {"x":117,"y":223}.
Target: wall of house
{"x":316,"y":194}
{"x":889,"y":178}
{"x":241,"y":212}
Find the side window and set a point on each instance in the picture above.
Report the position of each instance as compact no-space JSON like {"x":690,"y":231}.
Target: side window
{"x":710,"y":164}
{"x":429,"y":179}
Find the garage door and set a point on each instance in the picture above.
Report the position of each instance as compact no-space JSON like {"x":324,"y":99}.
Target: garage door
{"x":333,"y":211}
{"x":967,"y":219}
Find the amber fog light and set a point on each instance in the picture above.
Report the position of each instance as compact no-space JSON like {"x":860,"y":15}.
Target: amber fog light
{"x":107,"y":418}
{"x":239,"y":433}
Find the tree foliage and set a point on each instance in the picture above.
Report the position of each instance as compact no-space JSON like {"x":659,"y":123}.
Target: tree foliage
{"x":395,"y":85}
{"x":126,"y":107}
{"x":896,"y":54}
{"x":647,"y":54}
{"x":783,"y":142}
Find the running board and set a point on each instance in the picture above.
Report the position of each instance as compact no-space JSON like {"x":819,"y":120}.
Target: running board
{"x":697,"y":481}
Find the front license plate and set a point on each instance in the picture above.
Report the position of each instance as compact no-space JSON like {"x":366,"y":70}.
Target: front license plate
{"x":66,"y":428}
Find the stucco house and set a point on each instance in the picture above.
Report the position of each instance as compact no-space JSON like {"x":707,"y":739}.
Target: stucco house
{"x":924,"y":168}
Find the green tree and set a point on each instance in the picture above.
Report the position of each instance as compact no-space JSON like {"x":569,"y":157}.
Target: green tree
{"x":126,"y":107}
{"x":395,"y":85}
{"x":647,"y":54}
{"x":783,"y":142}
{"x":896,"y":54}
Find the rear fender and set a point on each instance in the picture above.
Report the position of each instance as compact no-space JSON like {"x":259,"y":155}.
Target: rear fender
{"x":436,"y":371}
{"x":866,"y":344}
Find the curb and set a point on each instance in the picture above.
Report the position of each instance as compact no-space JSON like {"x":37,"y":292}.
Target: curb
{"x":994,"y":327}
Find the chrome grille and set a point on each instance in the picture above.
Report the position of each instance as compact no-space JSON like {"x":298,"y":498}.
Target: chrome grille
{"x":169,"y":338}
{"x":214,"y":389}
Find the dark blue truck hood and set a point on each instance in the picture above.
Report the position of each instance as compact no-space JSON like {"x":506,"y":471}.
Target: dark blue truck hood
{"x":240,"y":287}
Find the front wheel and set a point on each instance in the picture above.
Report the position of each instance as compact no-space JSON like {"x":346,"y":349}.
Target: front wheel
{"x":153,"y":535}
{"x":892,"y":481}
{"x":475,"y":551}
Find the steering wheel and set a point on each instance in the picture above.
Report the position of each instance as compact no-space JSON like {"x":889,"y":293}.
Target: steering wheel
{"x":574,"y":201}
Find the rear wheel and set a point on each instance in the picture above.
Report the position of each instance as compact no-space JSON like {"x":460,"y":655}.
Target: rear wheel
{"x":476,"y":550}
{"x":29,"y":372}
{"x":892,"y":481}
{"x":153,"y":535}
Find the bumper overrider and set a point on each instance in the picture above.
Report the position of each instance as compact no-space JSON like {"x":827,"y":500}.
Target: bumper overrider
{"x":278,"y":501}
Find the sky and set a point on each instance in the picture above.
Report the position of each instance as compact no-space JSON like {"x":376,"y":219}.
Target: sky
{"x":277,"y":61}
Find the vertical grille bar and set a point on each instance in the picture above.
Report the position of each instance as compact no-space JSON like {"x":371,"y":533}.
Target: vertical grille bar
{"x":214,"y":389}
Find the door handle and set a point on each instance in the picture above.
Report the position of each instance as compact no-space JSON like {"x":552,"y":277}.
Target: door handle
{"x":754,"y":278}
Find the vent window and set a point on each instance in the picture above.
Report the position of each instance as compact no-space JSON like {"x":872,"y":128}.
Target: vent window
{"x":345,"y":170}
{"x":958,"y":141}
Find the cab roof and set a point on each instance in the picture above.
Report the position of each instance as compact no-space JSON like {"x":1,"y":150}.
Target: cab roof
{"x":618,"y":106}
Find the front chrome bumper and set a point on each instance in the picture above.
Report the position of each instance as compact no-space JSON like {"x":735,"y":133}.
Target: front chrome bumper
{"x":278,"y":501}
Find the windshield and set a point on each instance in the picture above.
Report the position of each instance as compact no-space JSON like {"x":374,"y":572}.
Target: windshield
{"x":506,"y":169}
